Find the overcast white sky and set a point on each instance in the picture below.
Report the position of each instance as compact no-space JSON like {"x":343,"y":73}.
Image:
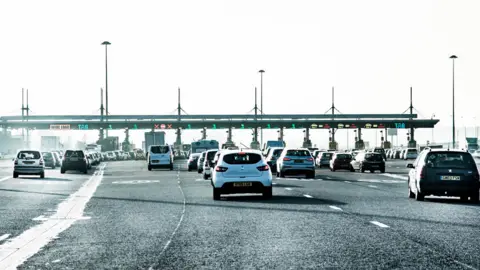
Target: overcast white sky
{"x":371,"y":51}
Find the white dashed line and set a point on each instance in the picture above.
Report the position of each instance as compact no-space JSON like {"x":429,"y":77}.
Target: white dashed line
{"x":274,"y":183}
{"x":287,"y":188}
{"x":56,"y":261}
{"x":3,"y":237}
{"x":465,"y":265}
{"x":5,"y":178}
{"x":379,"y":224}
{"x":397,"y":167}
{"x":347,"y":181}
{"x":39,"y":218}
{"x":336,"y":208}
{"x":308,"y":196}
{"x":403,"y":177}
{"x":372,"y":186}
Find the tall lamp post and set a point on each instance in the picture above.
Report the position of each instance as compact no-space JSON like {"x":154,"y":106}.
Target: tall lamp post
{"x":453,"y":57}
{"x":106,"y":43}
{"x":433,"y":134}
{"x":261,"y":71}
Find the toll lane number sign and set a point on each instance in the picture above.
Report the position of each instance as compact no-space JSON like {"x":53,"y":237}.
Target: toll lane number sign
{"x":133,"y":182}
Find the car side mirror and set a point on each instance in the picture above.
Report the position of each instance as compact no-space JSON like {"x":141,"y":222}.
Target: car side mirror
{"x":410,"y":165}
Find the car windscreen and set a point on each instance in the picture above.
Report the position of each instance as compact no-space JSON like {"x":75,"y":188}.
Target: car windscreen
{"x":77,"y":154}
{"x":211,"y":155}
{"x":344,"y":156}
{"x":28,"y":155}
{"x":47,"y":154}
{"x":373,"y":157}
{"x":450,"y":160}
{"x":242,"y":158}
{"x":159,"y":149}
{"x":298,"y":153}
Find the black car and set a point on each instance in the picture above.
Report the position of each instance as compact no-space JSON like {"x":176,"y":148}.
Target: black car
{"x":340,"y":161}
{"x":75,"y":160}
{"x":442,"y":172}
{"x":49,"y":159}
{"x":192,"y":161}
{"x":369,"y":161}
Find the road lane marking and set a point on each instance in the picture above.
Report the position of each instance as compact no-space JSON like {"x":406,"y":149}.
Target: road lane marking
{"x":465,"y":265}
{"x":347,"y":181}
{"x":39,"y":218}
{"x":369,"y":180}
{"x":308,"y":196}
{"x":5,"y":178}
{"x":287,"y":188}
{"x":379,"y":224}
{"x":403,"y":177}
{"x":136,"y":182}
{"x":372,"y":186}
{"x":274,"y":183}
{"x":335,"y":208}
{"x":5,"y":236}
{"x":31,"y":241}
{"x":176,"y":228}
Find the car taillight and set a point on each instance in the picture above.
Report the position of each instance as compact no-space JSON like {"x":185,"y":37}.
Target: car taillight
{"x":16,"y":162}
{"x":41,"y":161}
{"x":423,"y":173}
{"x":263,"y":168}
{"x":221,"y":169}
{"x":476,"y":176}
{"x":286,"y":159}
{"x":310,"y":159}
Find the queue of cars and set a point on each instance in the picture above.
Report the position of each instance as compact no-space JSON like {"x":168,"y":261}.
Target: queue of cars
{"x":402,"y":153}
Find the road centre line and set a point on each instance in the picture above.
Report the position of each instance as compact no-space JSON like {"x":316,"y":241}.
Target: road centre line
{"x":308,"y":196}
{"x":372,"y":186}
{"x":379,"y":224}
{"x":335,"y":208}
{"x":287,"y":188}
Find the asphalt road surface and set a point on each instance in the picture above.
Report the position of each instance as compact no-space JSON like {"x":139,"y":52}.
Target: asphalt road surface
{"x":122,"y":216}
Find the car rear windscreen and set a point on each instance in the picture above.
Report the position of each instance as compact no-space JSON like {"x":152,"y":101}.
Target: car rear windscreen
{"x":298,"y":153}
{"x":211,"y":155}
{"x":412,"y":151}
{"x":379,"y":150}
{"x":450,"y":160}
{"x":28,"y":155}
{"x":77,"y":154}
{"x":159,"y":149}
{"x":327,"y":155}
{"x":344,"y":156}
{"x":242,"y":158}
{"x":373,"y":157}
{"x":277,"y":152}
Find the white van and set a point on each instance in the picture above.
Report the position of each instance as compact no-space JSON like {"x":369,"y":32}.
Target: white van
{"x":160,"y":156}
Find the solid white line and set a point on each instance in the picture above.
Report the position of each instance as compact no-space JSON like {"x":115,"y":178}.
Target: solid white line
{"x":31,"y":241}
{"x":287,"y":188}
{"x":176,"y":228}
{"x":308,"y":196}
{"x":465,"y":265}
{"x":336,"y":208}
{"x":5,"y":178}
{"x":3,"y":237}
{"x":372,"y":186}
{"x":403,"y":177}
{"x":379,"y":224}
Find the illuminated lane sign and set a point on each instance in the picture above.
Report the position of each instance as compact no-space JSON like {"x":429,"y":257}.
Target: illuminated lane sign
{"x":135,"y":126}
{"x":314,"y":126}
{"x":110,"y":127}
{"x":189,"y":126}
{"x":368,"y":125}
{"x":163,"y":126}
{"x":347,"y":125}
{"x":340,"y":125}
{"x":269,"y":126}
{"x":353,"y":126}
{"x":83,"y":126}
{"x":381,"y":126}
{"x":399,"y":125}
{"x":242,"y":126}
{"x":375,"y":125}
{"x":60,"y":127}
{"x":326,"y":126}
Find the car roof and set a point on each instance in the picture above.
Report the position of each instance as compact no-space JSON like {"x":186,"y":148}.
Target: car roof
{"x":296,"y":148}
{"x":254,"y":151}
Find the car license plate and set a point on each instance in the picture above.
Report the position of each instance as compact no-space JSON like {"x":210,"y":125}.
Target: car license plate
{"x":243,"y":184}
{"x":154,"y":161}
{"x":374,"y":166}
{"x":298,"y":161}
{"x":450,"y":177}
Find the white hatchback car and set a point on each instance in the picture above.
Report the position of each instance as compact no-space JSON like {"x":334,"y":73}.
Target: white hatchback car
{"x":241,"y":171}
{"x":29,"y":162}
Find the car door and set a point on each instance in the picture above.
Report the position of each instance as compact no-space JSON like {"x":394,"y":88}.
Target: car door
{"x":356,"y":161}
{"x":414,"y":172}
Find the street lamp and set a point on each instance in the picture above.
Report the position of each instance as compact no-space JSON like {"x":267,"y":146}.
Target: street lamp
{"x":261,"y":71}
{"x":433,"y":129}
{"x":106,"y":43}
{"x":453,"y":57}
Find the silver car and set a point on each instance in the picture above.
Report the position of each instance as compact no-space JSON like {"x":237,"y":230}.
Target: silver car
{"x":295,"y":161}
{"x":29,"y":162}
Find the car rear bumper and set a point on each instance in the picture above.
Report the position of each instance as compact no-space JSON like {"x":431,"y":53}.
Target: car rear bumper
{"x":227,"y":183}
{"x":29,"y":169}
{"x":288,"y":169}
{"x":449,"y":188}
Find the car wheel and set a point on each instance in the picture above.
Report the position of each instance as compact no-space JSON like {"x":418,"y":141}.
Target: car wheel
{"x":149,"y":167}
{"x":352,"y":169}
{"x":267,"y":193}
{"x":382,"y":171}
{"x":419,"y":196}
{"x":372,"y":171}
{"x":53,"y":167}
{"x":15,"y":175}
{"x":411,"y":195}
{"x":282,"y":174}
{"x":205,"y":177}
{"x":333,"y":169}
{"x":311,"y":175}
{"x":85,"y":171}
{"x":171,"y":167}
{"x":278,"y":174}
{"x":362,"y":169}
{"x":189,"y":169}
{"x":216,"y":194}
{"x":474,"y":198}
{"x":464,"y":198}
{"x":42,"y":175}
{"x":62,"y":171}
